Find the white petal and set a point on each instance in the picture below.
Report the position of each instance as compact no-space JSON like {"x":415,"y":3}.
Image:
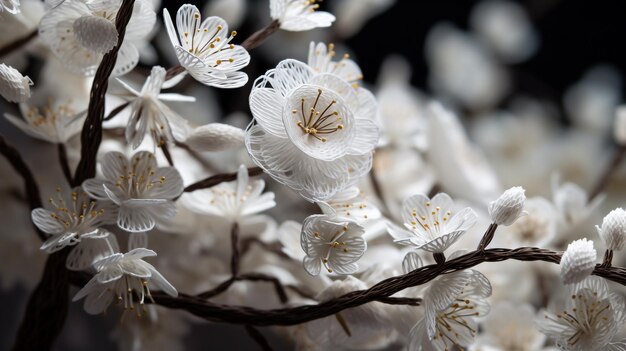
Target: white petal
{"x":312,"y":265}
{"x":411,"y":262}
{"x":288,"y":75}
{"x":135,"y":219}
{"x":109,"y":273}
{"x":159,"y":281}
{"x":169,"y":186}
{"x":267,"y":108}
{"x":176,"y":97}
{"x":86,"y":253}
{"x":95,"y":189}
{"x":44,"y":221}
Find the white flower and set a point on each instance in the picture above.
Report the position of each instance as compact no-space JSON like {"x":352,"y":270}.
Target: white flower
{"x":335,"y":244}
{"x":431,"y":224}
{"x":203,"y":48}
{"x":235,"y":200}
{"x":53,"y":123}
{"x":299,"y":15}
{"x":578,"y":261}
{"x":215,"y":137}
{"x":74,"y":217}
{"x":452,"y":303}
{"x":321,"y":61}
{"x":150,"y":115}
{"x":572,"y":203}
{"x":508,"y":207}
{"x":613,"y":230}
{"x":313,"y":132}
{"x":81,"y":32}
{"x":11,"y":6}
{"x":619,"y":126}
{"x":124,"y":278}
{"x":350,"y":204}
{"x":14,"y":87}
{"x":537,"y":228}
{"x":289,"y":237}
{"x":591,"y":318}
{"x":142,"y":191}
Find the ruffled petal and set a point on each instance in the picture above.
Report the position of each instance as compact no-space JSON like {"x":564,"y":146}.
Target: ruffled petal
{"x":170,"y":184}
{"x":44,"y":220}
{"x":312,"y":265}
{"x":267,"y":108}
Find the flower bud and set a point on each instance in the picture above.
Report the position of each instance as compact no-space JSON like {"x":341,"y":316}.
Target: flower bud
{"x":578,"y":261}
{"x":508,"y":207}
{"x":215,"y":137}
{"x":613,"y":230}
{"x":14,"y":87}
{"x":619,"y":126}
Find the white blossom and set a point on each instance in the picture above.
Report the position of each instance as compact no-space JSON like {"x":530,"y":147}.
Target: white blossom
{"x":321,"y":61}
{"x":613,"y":230}
{"x":335,"y":244}
{"x":350,"y":204}
{"x":431,"y":224}
{"x":578,"y":261}
{"x":81,"y":32}
{"x":203,"y":48}
{"x":590,"y":319}
{"x":54,"y":123}
{"x":235,"y":201}
{"x":14,"y":87}
{"x":537,"y":228}
{"x":74,"y":217}
{"x":142,"y":191}
{"x":150,"y":115}
{"x":125,"y":278}
{"x":313,"y":132}
{"x":299,"y":15}
{"x":11,"y":6}
{"x":215,"y":137}
{"x":619,"y":126}
{"x":508,"y":207}
{"x":572,"y":203}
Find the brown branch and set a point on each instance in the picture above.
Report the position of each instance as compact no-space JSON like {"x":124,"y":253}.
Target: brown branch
{"x":274,"y":248}
{"x":15,"y":45}
{"x":259,"y":338}
{"x":484,"y":242}
{"x":47,"y":307}
{"x":257,"y":38}
{"x":605,"y":178}
{"x":65,"y":166}
{"x":220,"y":178}
{"x":116,"y":111}
{"x":167,"y":154}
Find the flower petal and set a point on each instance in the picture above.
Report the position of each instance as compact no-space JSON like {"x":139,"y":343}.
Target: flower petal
{"x":44,"y":220}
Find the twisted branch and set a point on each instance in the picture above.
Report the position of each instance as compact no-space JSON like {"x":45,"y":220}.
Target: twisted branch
{"x":220,"y":178}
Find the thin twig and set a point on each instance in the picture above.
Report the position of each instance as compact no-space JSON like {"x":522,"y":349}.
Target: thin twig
{"x":220,"y":178}
{"x":259,"y":338}
{"x":166,"y":153}
{"x":116,"y":111}
{"x":487,"y":237}
{"x":15,"y":45}
{"x":257,"y":38}
{"x":65,"y":166}
{"x":605,"y":178}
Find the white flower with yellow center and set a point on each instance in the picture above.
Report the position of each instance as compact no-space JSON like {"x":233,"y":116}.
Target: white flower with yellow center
{"x":150,"y":115}
{"x":591,"y":318}
{"x":299,"y":15}
{"x":321,"y":60}
{"x":431,"y":224}
{"x":53,"y":123}
{"x":335,"y":244}
{"x":203,"y":48}
{"x":125,"y":278}
{"x":74,"y":217}
{"x":313,"y":132}
{"x":81,"y":32}
{"x":143,"y":192}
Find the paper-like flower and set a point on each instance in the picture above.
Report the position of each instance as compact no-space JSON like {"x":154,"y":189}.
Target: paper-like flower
{"x":613,"y":230}
{"x":81,"y":32}
{"x":125,"y":278}
{"x":578,"y":261}
{"x":321,"y":60}
{"x":74,"y":217}
{"x":11,"y":6}
{"x":150,"y":115}
{"x":432,"y":225}
{"x":313,"y":132}
{"x":451,"y":303}
{"x":232,"y":200}
{"x":508,"y":207}
{"x":14,"y":87}
{"x":142,"y":191}
{"x":52,"y":123}
{"x":591,"y":318}
{"x":299,"y":15}
{"x":350,"y":204}
{"x":215,"y":137}
{"x":203,"y":48}
{"x":335,"y":244}
{"x":572,"y":203}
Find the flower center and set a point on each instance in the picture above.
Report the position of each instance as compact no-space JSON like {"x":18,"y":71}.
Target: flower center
{"x":432,"y":221}
{"x":206,"y":42}
{"x":318,"y":120}
{"x":78,"y":214}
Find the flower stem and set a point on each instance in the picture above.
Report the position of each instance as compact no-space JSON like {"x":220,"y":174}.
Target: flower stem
{"x":487,"y":237}
{"x":258,"y":37}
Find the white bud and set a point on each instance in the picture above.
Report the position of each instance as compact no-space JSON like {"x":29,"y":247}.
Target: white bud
{"x":14,"y":87}
{"x":619,"y":127}
{"x":95,"y":33}
{"x":508,"y":207}
{"x":215,"y":137}
{"x":613,"y":230}
{"x":578,"y":261}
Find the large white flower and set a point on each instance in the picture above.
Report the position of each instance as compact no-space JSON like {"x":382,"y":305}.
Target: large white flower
{"x":52,"y":123}
{"x":451,"y":305}
{"x":299,"y":15}
{"x":142,"y":191}
{"x":203,"y":48}
{"x":591,"y":318}
{"x":125,"y":278}
{"x":74,"y":217}
{"x":432,"y":225}
{"x":11,"y":6}
{"x":335,"y":244}
{"x":150,"y":115}
{"x":81,"y":32}
{"x":313,"y":132}
{"x":234,"y":201}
